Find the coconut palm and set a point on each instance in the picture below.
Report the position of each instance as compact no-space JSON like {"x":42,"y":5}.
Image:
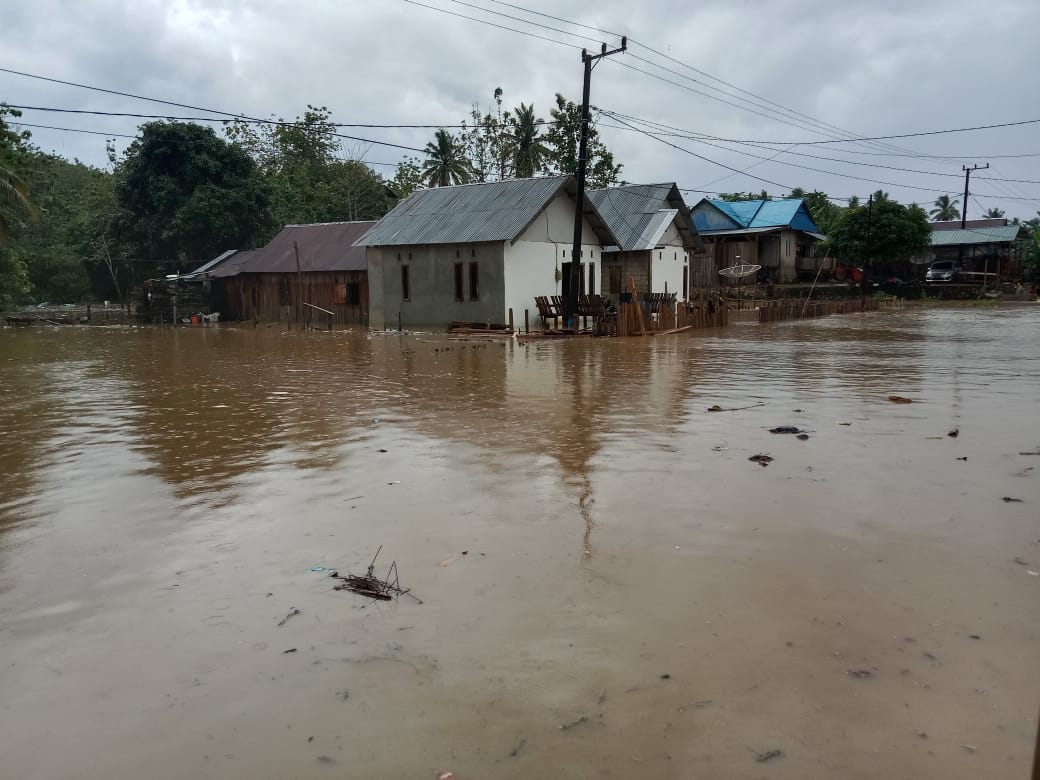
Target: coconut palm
{"x":993,"y":214}
{"x":15,"y":193}
{"x":529,"y":153}
{"x":447,"y":163}
{"x":945,"y":209}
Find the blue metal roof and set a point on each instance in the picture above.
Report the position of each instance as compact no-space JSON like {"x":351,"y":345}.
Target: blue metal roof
{"x":753,"y":214}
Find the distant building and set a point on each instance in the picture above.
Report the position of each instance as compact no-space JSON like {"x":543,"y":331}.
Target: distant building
{"x":656,"y":241}
{"x":303,"y":273}
{"x":983,"y":246}
{"x":776,"y":234}
{"x":472,"y":253}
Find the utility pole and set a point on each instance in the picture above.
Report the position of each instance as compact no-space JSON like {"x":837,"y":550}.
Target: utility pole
{"x":967,"y":177}
{"x":964,"y":211}
{"x":571,"y":309}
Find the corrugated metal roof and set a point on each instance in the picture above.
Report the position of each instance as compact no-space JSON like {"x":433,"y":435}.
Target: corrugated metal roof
{"x":214,"y":262}
{"x":232,"y":263}
{"x":471,"y":213}
{"x":786,"y":212}
{"x":325,"y":246}
{"x":985,"y":235}
{"x":638,"y":214}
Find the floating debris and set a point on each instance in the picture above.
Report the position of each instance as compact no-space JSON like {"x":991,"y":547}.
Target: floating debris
{"x":785,"y":429}
{"x":898,"y":399}
{"x":1010,"y":500}
{"x":370,"y":585}
{"x":292,"y":613}
{"x":769,"y":755}
{"x":761,"y":459}
{"x":802,"y":437}
{"x":860,"y":674}
{"x":954,"y":433}
{"x":717,"y":408}
{"x":573,"y":723}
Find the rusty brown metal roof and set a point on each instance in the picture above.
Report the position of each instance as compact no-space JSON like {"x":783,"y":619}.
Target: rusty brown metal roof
{"x":955,"y":224}
{"x":326,"y":246}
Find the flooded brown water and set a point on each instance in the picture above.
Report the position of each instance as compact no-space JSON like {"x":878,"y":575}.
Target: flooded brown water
{"x":592,"y":547}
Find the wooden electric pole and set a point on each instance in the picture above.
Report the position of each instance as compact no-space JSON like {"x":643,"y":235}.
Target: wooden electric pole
{"x":571,"y":307}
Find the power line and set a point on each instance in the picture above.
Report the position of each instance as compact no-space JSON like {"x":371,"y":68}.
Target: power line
{"x":702,"y":157}
{"x":522,"y":20}
{"x":245,"y":120}
{"x":492,"y":24}
{"x":864,"y":138}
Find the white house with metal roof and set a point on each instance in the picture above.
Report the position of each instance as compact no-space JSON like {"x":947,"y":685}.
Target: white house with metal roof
{"x":656,"y":239}
{"x":473,"y":252}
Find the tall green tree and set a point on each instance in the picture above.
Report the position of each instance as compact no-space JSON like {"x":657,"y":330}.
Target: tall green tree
{"x":487,"y":143}
{"x":183,"y":195}
{"x":308,"y":173}
{"x":16,"y":207}
{"x":562,"y":140}
{"x":993,"y":214}
{"x":407,"y":178}
{"x":446,"y":162}
{"x":529,"y":153}
{"x":945,"y":209}
{"x":881,"y":232}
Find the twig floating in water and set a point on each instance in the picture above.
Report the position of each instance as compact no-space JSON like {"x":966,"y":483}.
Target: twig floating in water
{"x":717,"y":408}
{"x":292,"y":611}
{"x":573,"y":723}
{"x":382,"y":589}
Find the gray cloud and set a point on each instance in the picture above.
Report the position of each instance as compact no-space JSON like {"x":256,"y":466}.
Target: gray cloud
{"x":880,"y":68}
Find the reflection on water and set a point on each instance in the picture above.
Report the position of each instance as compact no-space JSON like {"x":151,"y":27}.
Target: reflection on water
{"x":201,"y":408}
{"x":130,"y":458}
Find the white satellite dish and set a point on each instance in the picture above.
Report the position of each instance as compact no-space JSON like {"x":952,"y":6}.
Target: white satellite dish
{"x":739,"y":271}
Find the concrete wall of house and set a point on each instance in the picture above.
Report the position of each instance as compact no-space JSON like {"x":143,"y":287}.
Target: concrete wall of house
{"x":534,"y":263}
{"x":667,"y":262}
{"x":432,"y":301}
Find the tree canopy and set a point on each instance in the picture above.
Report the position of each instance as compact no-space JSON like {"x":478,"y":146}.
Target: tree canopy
{"x":184,"y":195}
{"x":880,"y":231}
{"x":945,"y":209}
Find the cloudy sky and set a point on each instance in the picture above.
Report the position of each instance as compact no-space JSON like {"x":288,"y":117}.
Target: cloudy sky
{"x":795,"y":71}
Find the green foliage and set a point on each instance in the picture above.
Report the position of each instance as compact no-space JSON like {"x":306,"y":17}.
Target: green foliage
{"x":736,"y":197}
{"x":183,"y":195}
{"x":529,"y":153}
{"x":486,"y":142}
{"x":993,"y":214}
{"x":562,"y":140}
{"x":446,"y":162}
{"x":301,"y":164}
{"x":76,"y":201}
{"x":882,"y":231}
{"x":945,"y":209}
{"x":17,"y":209}
{"x":407,"y":179}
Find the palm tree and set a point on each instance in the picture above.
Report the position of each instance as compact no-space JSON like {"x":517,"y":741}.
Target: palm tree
{"x":447,"y":163}
{"x":529,"y":153}
{"x":945,"y":209}
{"x":14,"y":192}
{"x":993,"y":214}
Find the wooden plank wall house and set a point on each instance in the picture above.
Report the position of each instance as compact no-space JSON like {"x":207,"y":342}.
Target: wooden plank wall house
{"x":271,"y":286}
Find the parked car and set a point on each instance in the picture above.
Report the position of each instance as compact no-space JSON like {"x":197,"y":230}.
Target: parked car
{"x":942,"y":271}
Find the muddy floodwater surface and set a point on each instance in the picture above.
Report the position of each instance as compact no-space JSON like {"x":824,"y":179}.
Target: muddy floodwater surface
{"x":609,"y":586}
